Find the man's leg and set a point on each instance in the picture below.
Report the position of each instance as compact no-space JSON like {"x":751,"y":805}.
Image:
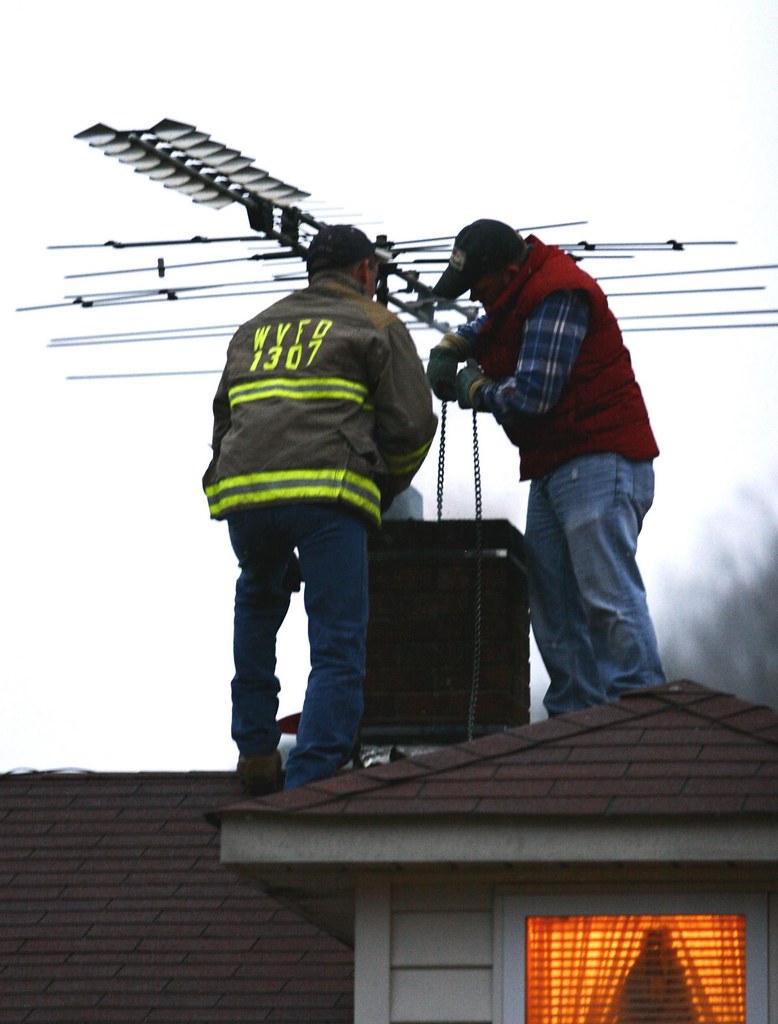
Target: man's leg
{"x":602,"y":500}
{"x":557,"y":614}
{"x":261,"y":604}
{"x":333,"y":558}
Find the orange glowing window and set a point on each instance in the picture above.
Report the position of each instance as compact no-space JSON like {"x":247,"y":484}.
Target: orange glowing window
{"x":636,"y":969}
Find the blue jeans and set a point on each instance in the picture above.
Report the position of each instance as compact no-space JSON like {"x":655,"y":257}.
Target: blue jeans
{"x":587,"y":600}
{"x":332,"y":550}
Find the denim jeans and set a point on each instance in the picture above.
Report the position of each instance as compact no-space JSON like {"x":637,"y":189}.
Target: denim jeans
{"x":332,"y":550}
{"x":587,"y":601}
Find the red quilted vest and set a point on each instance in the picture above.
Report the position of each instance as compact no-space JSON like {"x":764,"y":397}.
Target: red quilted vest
{"x":601,"y":408}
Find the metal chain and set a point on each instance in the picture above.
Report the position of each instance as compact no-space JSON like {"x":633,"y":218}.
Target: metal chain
{"x":478,"y":556}
{"x":478,"y":581}
{"x":441,"y":459}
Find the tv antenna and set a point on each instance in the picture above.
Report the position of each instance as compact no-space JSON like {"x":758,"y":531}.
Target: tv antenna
{"x":184,"y":159}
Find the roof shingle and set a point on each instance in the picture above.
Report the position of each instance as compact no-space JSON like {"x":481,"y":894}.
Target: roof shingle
{"x":114,"y":907}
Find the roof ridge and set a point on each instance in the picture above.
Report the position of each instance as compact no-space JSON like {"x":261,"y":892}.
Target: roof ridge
{"x":633,"y":709}
{"x":574,"y":723}
{"x":405,"y":769}
{"x":740,"y":707}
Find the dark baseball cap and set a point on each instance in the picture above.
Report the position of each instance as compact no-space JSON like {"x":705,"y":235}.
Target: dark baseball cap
{"x":337,"y":245}
{"x":480,"y":247}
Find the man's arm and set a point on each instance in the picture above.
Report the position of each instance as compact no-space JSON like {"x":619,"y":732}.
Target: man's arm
{"x":405,"y":421}
{"x":221,"y":424}
{"x":552,"y":339}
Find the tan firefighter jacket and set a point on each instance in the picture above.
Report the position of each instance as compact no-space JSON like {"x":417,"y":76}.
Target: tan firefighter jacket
{"x":323,"y":398}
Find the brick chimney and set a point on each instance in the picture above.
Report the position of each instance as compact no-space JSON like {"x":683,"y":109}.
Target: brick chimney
{"x":422,"y":631}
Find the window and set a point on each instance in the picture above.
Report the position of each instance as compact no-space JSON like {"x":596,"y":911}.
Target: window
{"x":645,"y":960}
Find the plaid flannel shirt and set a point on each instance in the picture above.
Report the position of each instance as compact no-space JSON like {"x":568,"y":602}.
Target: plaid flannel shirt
{"x":553,"y":334}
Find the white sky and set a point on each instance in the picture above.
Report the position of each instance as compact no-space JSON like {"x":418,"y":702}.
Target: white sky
{"x":647,"y":121}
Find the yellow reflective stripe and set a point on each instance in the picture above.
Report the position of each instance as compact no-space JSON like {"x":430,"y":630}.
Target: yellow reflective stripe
{"x":282,"y":475}
{"x":298,"y":494}
{"x":294,"y":485}
{"x":299,"y":389}
{"x":405,"y":463}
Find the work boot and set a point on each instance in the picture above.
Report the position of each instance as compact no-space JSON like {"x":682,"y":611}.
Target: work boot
{"x":261,"y":773}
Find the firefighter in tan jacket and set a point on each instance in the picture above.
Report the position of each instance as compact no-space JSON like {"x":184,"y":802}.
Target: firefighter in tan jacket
{"x":322,"y":416}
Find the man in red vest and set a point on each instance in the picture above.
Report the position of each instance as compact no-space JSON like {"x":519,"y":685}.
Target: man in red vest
{"x":549,"y":363}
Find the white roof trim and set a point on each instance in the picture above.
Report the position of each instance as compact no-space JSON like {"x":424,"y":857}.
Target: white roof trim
{"x":267,"y":839}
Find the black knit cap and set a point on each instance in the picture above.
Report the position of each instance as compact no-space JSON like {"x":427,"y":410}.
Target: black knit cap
{"x":337,"y":245}
{"x":480,"y":247}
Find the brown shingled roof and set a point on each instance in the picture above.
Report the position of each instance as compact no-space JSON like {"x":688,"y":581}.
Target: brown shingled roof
{"x":114,"y":907}
{"x":675,"y":749}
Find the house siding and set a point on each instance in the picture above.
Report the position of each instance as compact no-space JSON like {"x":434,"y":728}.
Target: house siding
{"x":424,"y":953}
{"x":772,"y":957}
{"x":457,"y":995}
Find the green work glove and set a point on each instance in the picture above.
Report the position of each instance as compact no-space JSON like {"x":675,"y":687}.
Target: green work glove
{"x":442,"y":366}
{"x":469,"y":382}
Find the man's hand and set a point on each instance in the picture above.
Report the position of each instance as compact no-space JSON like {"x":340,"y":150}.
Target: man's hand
{"x":442,"y":366}
{"x":469,"y":382}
